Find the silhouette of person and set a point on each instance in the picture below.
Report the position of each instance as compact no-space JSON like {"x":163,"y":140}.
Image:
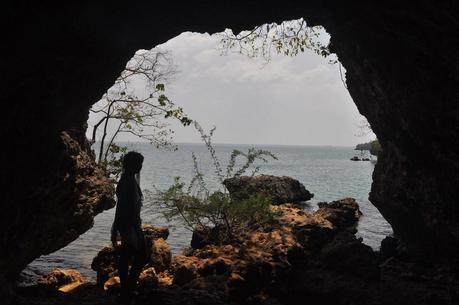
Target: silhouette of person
{"x":128,"y":224}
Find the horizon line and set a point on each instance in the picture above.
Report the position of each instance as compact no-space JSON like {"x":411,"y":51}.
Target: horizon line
{"x":257,"y":144}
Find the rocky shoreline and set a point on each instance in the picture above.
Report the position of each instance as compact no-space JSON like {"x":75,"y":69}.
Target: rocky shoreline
{"x":298,"y":257}
{"x":313,"y":257}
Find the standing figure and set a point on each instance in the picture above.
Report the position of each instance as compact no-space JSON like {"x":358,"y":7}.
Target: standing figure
{"x":129,"y":226}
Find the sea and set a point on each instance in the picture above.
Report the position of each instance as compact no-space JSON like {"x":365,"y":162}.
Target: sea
{"x":326,"y":171}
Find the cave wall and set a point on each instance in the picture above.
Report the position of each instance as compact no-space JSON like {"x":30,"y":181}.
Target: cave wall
{"x":402,"y":64}
{"x":402,"y":72}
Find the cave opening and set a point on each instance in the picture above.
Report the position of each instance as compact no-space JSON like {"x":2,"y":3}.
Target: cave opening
{"x":296,"y":106}
{"x":401,"y":73}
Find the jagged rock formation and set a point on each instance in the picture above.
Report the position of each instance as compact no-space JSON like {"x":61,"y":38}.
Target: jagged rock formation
{"x":401,"y":61}
{"x":56,"y":206}
{"x":310,"y":256}
{"x":280,"y":189}
{"x":261,"y":263}
{"x":159,"y":255}
{"x":258,"y":267}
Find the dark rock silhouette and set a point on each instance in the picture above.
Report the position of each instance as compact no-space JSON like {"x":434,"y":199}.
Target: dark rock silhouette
{"x":42,"y":219}
{"x":280,"y":189}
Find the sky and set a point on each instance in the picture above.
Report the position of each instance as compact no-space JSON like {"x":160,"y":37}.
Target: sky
{"x":297,"y":100}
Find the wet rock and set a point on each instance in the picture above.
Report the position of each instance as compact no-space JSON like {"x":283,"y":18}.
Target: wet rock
{"x":281,"y":189}
{"x":61,"y":279}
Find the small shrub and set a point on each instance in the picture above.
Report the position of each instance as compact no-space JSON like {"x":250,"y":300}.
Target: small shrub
{"x":196,"y":206}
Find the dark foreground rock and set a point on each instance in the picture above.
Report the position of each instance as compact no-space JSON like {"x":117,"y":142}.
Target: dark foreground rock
{"x":158,"y":250}
{"x":281,"y":189}
{"x":57,"y":212}
{"x":313,"y":257}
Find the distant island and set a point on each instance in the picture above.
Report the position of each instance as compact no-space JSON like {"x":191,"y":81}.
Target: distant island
{"x":373,"y":147}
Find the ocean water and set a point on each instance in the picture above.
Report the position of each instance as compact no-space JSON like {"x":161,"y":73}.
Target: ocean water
{"x":325,"y":171}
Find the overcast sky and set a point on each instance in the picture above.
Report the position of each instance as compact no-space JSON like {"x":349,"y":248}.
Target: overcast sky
{"x":291,"y":100}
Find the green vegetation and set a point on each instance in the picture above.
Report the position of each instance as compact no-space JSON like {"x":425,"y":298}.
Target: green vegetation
{"x":373,"y":147}
{"x":196,"y":206}
{"x":141,"y":114}
{"x":288,"y":38}
{"x":363,"y":146}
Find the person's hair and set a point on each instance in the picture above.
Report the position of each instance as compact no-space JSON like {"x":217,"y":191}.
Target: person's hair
{"x":132,"y":162}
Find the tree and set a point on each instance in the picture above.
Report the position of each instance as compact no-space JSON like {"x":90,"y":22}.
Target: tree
{"x":374,"y":147}
{"x":141,"y":113}
{"x":196,"y":206}
{"x":289,"y":38}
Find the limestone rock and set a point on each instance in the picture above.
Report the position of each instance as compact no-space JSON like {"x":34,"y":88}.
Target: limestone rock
{"x":343,"y":213}
{"x":184,"y":269}
{"x":281,"y":189}
{"x":112,"y":285}
{"x":161,"y":255}
{"x":148,"y":278}
{"x":72,"y":191}
{"x":61,"y":279}
{"x":105,"y":264}
{"x":152,"y":232}
{"x":158,"y":251}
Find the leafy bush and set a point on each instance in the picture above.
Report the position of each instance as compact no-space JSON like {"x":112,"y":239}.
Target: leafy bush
{"x":197,"y":207}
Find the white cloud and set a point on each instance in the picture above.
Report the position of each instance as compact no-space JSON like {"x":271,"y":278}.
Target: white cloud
{"x":299,"y":100}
